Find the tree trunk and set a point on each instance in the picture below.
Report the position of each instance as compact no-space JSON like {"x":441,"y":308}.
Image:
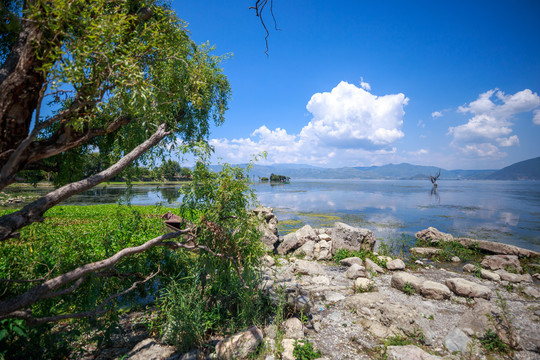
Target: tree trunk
{"x":20,"y":86}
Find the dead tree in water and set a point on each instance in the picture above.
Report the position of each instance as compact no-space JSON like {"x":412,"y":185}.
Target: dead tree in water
{"x":434,"y":178}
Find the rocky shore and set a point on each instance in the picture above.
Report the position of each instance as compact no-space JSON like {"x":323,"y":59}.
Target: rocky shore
{"x":378,"y":307}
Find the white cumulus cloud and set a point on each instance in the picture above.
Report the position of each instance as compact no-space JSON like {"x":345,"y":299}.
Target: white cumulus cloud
{"x":536,"y":118}
{"x":490,"y":127}
{"x":349,"y":123}
{"x":351,"y":117}
{"x":436,"y":114}
{"x":364,"y":85}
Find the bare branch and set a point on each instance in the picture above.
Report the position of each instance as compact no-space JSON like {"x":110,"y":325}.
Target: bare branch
{"x":259,"y":8}
{"x":27,"y":314}
{"x":34,"y":212}
{"x":66,"y":291}
{"x":44,"y":290}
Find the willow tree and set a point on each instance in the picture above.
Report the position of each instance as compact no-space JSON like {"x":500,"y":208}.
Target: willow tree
{"x":118,"y":77}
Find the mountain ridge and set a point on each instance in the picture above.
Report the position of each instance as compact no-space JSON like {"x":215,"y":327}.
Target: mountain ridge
{"x":523,"y":170}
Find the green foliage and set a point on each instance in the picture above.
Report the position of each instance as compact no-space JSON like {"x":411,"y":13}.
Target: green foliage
{"x":452,"y":248}
{"x":124,"y":69}
{"x":170,"y":169}
{"x":279,"y":178}
{"x":397,"y":340}
{"x":493,"y":343}
{"x":361,"y":289}
{"x":408,"y":289}
{"x":341,"y":254}
{"x":199,"y":293}
{"x":303,"y":350}
{"x":71,"y":236}
{"x":10,"y":26}
{"x":218,"y":294}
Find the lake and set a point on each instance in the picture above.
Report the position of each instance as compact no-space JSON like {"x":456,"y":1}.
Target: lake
{"x":504,"y":211}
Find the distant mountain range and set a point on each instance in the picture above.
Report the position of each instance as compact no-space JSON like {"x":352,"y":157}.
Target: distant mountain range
{"x":524,"y":170}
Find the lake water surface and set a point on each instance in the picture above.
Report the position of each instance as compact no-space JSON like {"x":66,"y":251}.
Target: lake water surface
{"x":504,"y":211}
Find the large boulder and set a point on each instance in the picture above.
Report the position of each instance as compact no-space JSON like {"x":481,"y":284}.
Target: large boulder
{"x":239,"y":346}
{"x":467,"y":288}
{"x":152,"y":350}
{"x":290,"y":243}
{"x":504,"y":262}
{"x":497,"y":248}
{"x":424,"y":251}
{"x":306,"y":233}
{"x":268,"y":226}
{"x":513,"y":278}
{"x":434,"y":290}
{"x":408,"y":352}
{"x":308,"y":268}
{"x":295,"y":240}
{"x":396,"y":264}
{"x":399,"y":279}
{"x":293,"y":328}
{"x":362,"y":284}
{"x":347,"y":237}
{"x":371,"y":265}
{"x":355,"y":271}
{"x":350,"y":261}
{"x":306,"y":250}
{"x":433,"y":235}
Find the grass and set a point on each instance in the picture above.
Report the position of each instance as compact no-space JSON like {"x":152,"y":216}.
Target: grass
{"x":492,"y":343}
{"x":199,"y":305}
{"x":450,"y":249}
{"x":408,"y":289}
{"x":362,"y":254}
{"x":303,"y":350}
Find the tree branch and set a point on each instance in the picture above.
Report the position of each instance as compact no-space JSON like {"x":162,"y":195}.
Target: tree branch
{"x":45,"y":290}
{"x":31,"y":320}
{"x":34,"y":211}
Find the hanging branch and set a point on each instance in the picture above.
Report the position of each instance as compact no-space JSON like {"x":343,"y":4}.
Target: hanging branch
{"x":259,"y":8}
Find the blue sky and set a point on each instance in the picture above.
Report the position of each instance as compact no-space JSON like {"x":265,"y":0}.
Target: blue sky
{"x":359,"y":83}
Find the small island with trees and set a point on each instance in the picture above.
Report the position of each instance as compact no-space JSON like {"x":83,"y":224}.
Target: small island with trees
{"x":276,"y":179}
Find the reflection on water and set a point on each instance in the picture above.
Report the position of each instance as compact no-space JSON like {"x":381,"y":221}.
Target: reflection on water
{"x":505,"y":211}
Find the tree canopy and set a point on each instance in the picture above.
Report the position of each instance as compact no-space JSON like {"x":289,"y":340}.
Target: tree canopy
{"x":116,"y":76}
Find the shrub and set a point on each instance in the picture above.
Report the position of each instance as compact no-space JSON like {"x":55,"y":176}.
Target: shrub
{"x":408,"y":289}
{"x":303,"y":350}
{"x":493,"y":343}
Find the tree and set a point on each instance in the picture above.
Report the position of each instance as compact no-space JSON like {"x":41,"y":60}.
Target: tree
{"x":170,"y":169}
{"x":121,"y":76}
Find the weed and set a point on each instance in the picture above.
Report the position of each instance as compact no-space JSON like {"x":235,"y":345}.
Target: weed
{"x":303,"y":350}
{"x":303,"y":317}
{"x":450,"y":249}
{"x":362,"y":254}
{"x":493,"y":343}
{"x":361,"y":289}
{"x":503,"y":339}
{"x":409,"y":289}
{"x":509,"y":287}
